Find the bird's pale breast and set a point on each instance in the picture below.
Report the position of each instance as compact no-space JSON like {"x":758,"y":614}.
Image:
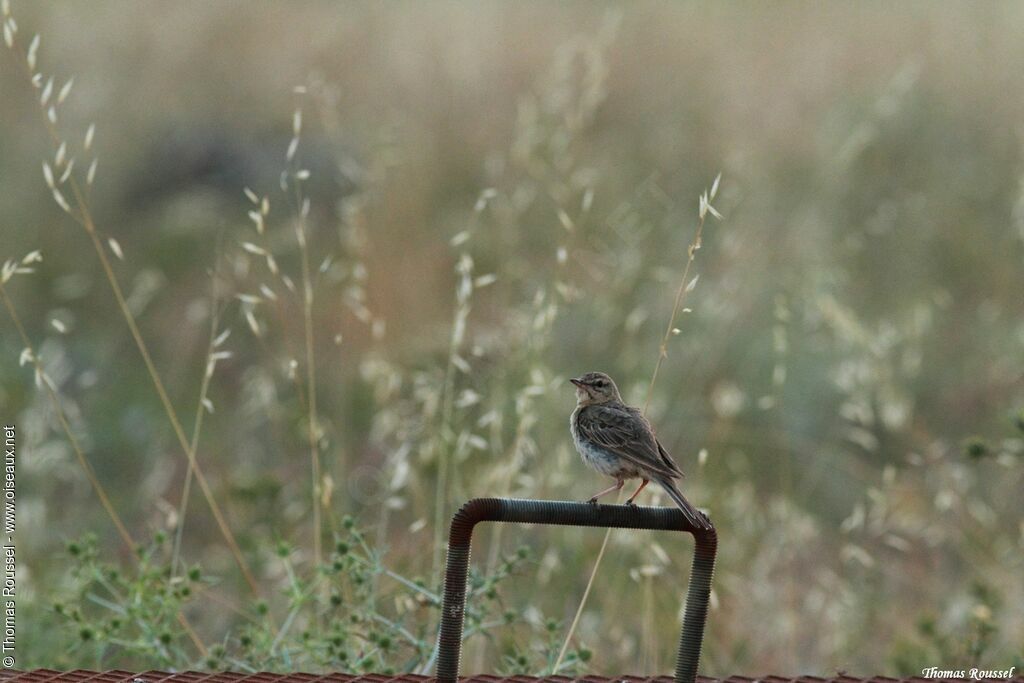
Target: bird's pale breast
{"x":601,"y":459}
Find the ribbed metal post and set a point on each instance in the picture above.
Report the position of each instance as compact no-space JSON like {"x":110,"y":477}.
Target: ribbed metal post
{"x":449,"y":644}
{"x":696,"y":615}
{"x":571,"y":514}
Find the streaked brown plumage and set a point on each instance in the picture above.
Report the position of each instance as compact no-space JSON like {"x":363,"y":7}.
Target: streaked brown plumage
{"x":618,"y":441}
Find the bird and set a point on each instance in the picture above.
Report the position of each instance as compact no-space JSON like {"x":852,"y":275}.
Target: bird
{"x":617,"y":440}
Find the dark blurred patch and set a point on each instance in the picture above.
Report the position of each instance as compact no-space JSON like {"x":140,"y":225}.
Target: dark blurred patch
{"x":197,"y":162}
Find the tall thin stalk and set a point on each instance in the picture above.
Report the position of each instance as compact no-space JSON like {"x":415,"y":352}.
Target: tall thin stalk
{"x":442,"y":444}
{"x":82,"y":213}
{"x":198,"y":423}
{"x":314,"y":450}
{"x":76,"y":447}
{"x":313,"y":428}
{"x":686,"y":286}
{"x":296,"y":176}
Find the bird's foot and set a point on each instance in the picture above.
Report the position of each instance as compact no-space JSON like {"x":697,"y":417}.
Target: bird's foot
{"x":630,"y":503}
{"x":592,"y":501}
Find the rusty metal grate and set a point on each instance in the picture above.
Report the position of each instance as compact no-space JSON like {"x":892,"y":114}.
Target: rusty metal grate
{"x":118,"y":676}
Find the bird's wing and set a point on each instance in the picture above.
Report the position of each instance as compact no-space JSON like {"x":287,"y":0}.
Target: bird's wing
{"x":625,"y":432}
{"x":667,"y":459}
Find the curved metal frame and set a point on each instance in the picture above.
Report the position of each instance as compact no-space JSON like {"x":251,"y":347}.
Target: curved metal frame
{"x":571,"y":514}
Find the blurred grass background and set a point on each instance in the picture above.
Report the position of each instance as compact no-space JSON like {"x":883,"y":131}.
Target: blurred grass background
{"x":855,"y":336}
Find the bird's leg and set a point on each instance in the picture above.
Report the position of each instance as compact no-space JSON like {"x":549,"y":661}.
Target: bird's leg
{"x":637,"y":492}
{"x":618,"y":485}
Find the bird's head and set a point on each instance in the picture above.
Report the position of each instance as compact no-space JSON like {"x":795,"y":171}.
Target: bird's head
{"x":595,"y":388}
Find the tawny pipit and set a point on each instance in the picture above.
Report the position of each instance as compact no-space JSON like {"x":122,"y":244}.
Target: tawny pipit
{"x":618,"y":441}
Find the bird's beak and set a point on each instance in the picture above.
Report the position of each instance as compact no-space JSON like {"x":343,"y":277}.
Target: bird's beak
{"x":577,"y":381}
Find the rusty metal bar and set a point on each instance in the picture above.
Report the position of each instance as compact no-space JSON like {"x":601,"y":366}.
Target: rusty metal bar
{"x":571,"y":514}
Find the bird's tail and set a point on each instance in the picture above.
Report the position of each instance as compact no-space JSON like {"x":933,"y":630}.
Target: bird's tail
{"x":693,"y":516}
